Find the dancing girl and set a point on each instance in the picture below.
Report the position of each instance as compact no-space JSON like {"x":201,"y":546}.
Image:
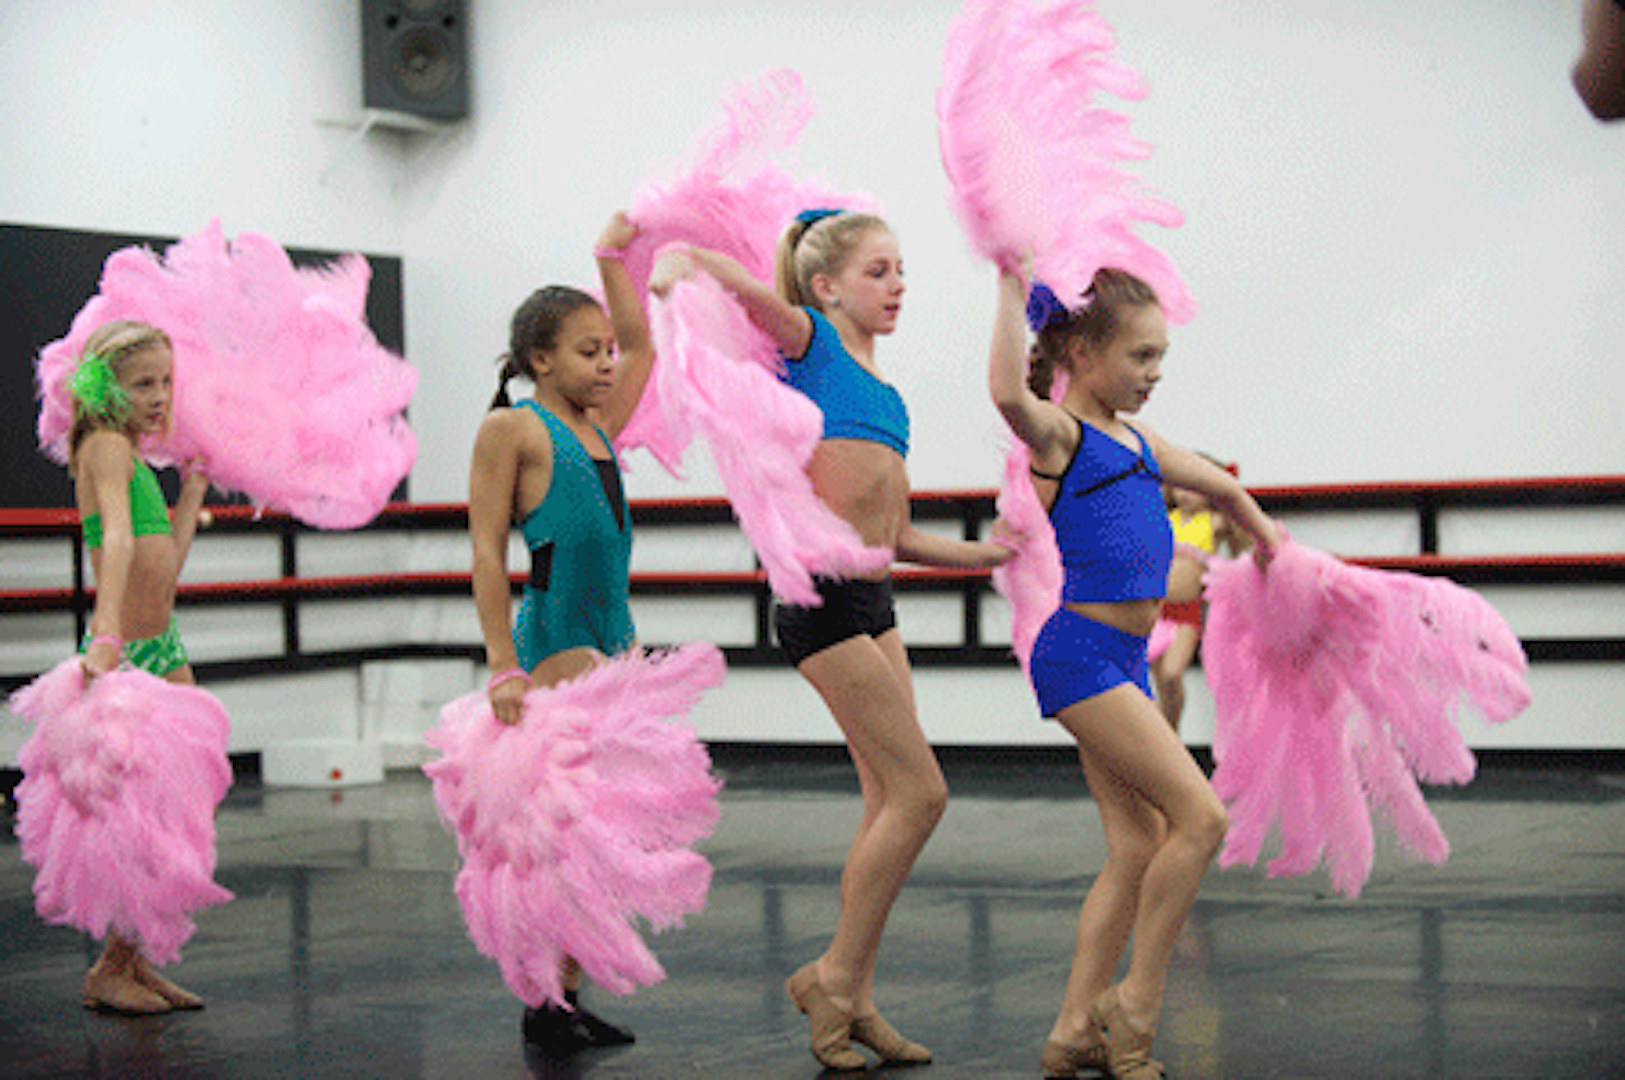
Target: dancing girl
{"x":1100,"y":475}
{"x":839,"y":287}
{"x":123,"y":392}
{"x":547,"y":463}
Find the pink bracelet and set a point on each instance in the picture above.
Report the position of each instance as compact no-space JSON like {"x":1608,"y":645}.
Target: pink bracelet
{"x":602,"y":252}
{"x":108,"y":639}
{"x":505,"y":677}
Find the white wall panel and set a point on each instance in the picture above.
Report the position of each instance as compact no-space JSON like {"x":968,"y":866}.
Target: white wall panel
{"x":1357,"y":533}
{"x":1577,"y":530}
{"x":671,"y":620}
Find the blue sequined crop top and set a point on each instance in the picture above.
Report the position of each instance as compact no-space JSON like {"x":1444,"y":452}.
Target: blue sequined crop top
{"x":1111,"y":523}
{"x":856,"y":404}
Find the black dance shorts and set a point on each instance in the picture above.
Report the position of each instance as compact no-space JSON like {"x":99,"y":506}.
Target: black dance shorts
{"x":852,"y":608}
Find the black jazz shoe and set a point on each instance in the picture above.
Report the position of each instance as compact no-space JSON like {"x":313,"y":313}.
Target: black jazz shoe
{"x":557,"y":1032}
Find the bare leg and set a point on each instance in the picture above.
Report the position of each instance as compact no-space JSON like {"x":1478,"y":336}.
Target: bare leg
{"x":1134,"y":831}
{"x":123,"y":956}
{"x":864,"y":682}
{"x":1168,"y":673}
{"x":1125,"y":738}
{"x":873,"y":785}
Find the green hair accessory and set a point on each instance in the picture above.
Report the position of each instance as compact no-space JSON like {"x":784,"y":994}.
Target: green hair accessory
{"x":95,"y":388}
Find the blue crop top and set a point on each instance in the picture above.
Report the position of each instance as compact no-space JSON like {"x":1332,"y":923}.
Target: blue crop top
{"x":1111,"y":523}
{"x":580,"y":545}
{"x":856,"y":405}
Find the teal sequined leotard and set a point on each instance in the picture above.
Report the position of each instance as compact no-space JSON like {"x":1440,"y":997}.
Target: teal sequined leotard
{"x":580,"y":540}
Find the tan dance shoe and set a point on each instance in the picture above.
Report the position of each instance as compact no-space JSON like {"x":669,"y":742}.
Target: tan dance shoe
{"x":1128,"y":1049}
{"x":873,"y":1031}
{"x":1062,"y":1061}
{"x":109,"y":993}
{"x":831,"y":1024}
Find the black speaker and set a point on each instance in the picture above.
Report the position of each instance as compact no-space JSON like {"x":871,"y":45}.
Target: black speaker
{"x":414,"y":57}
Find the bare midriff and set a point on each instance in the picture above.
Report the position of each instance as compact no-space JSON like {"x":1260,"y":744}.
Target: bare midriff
{"x":865,"y":484}
{"x":149,"y":591}
{"x":1185,"y":580}
{"x":1135,"y":617}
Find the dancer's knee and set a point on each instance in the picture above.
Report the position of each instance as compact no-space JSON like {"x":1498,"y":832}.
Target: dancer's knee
{"x":1130,"y":849}
{"x":1206,"y":825}
{"x":920,"y":802}
{"x":931,"y":801}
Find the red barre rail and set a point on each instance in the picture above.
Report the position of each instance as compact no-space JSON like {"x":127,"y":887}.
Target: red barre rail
{"x":274,"y":590}
{"x":1511,"y":570}
{"x":1587,"y":487}
{"x":1501,"y":491}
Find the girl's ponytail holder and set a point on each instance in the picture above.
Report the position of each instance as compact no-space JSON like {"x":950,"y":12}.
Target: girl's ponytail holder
{"x":1043,"y":307}
{"x":810,"y":218}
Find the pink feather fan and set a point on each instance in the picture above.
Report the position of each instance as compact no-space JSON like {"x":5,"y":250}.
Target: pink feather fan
{"x":1337,"y":689}
{"x":280,"y":387}
{"x":703,"y":336}
{"x":577,"y":821}
{"x":1033,"y":165}
{"x":708,"y":379}
{"x":116,"y":805}
{"x":1033,"y":172}
{"x":1031,"y":581}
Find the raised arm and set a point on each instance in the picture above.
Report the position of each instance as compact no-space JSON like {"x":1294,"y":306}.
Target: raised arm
{"x":104,"y":465}
{"x":1181,"y":468}
{"x":493,"y":477}
{"x":184,"y":518}
{"x":1044,"y":426}
{"x":789,"y":326}
{"x":631,"y":324}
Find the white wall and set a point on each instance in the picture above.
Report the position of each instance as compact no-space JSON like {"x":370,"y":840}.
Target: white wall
{"x":1405,"y":235}
{"x":1404,"y":231}
{"x":153,"y":116}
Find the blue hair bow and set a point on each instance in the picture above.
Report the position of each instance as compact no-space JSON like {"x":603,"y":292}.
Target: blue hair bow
{"x":810,"y":218}
{"x":1043,"y":307}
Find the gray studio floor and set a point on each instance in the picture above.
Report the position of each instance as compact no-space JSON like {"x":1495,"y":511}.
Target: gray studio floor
{"x":344,"y":955}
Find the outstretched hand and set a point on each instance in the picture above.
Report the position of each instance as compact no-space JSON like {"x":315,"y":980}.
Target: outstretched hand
{"x":1266,"y":547}
{"x":617,"y":234}
{"x":674,"y":264}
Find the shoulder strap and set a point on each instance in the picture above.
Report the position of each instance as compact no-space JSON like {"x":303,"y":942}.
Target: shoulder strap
{"x":1139,"y":465}
{"x":555,"y":426}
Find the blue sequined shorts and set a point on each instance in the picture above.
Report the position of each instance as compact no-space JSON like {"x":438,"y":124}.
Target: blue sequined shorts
{"x":1076,"y":658}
